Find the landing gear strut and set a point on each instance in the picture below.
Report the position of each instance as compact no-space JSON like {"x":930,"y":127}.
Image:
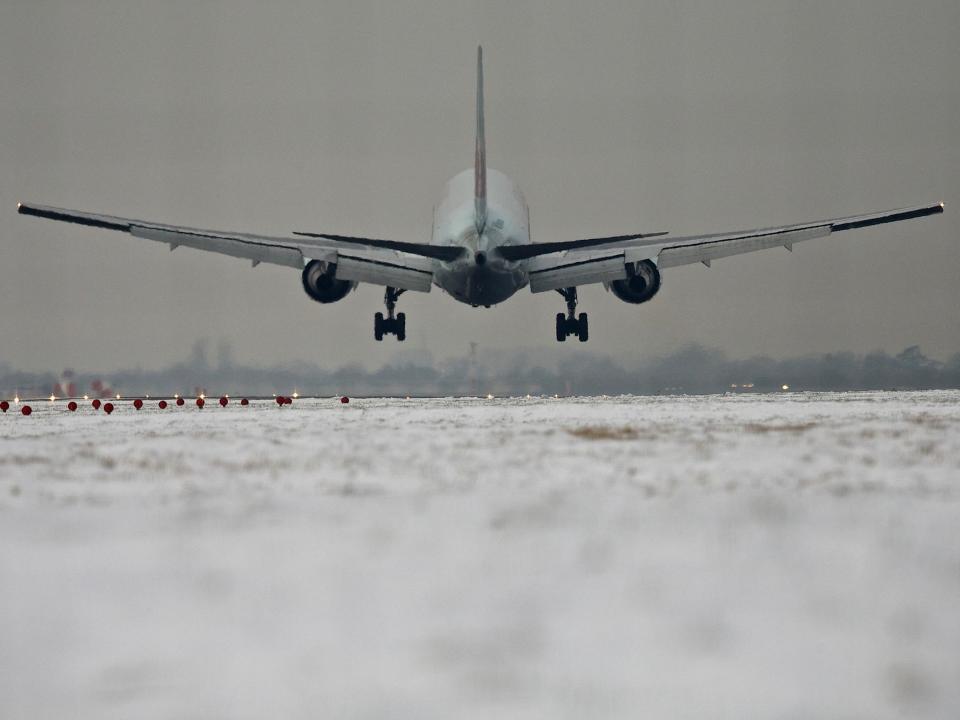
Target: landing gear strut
{"x":571,"y":324}
{"x":390,"y":325}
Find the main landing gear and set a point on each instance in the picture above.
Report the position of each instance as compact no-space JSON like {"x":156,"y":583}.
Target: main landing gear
{"x":390,"y":325}
{"x":571,"y":324}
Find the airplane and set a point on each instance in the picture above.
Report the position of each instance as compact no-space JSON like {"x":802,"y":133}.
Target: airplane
{"x":480,"y":251}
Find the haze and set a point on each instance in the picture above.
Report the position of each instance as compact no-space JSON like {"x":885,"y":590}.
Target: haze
{"x":348,"y":118}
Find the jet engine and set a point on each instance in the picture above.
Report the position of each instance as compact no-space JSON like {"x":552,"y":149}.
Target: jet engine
{"x":641,"y":284}
{"x":320,"y":282}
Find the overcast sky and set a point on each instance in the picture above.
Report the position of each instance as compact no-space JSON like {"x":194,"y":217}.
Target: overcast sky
{"x":349,"y":117}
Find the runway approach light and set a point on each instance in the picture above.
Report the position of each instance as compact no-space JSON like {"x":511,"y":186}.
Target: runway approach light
{"x":296,"y":394}
{"x":86,"y":397}
{"x":16,"y":399}
{"x":118,"y":396}
{"x":52,"y":398}
{"x":489,"y":396}
{"x":784,"y":387}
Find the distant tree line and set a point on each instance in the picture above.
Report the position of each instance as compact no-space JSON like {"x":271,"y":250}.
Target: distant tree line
{"x":694,"y":370}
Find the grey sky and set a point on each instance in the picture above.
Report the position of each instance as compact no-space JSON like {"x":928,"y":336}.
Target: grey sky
{"x":348,"y":118}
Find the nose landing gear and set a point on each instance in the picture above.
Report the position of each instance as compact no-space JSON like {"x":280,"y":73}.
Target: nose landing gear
{"x":390,"y":325}
{"x":571,"y":323}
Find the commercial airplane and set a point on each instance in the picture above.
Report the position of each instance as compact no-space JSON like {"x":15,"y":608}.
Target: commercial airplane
{"x":480,"y":251}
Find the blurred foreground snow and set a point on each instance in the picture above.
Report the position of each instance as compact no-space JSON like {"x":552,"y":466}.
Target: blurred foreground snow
{"x":789,"y":556}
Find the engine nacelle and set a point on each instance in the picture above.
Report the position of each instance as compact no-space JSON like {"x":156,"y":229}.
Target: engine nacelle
{"x":321,"y":284}
{"x":641,"y":284}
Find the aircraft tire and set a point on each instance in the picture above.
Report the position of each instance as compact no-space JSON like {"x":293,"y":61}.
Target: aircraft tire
{"x":583,"y":327}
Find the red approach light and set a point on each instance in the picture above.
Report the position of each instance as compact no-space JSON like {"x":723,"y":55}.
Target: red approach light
{"x":244,"y":402}
{"x":26,"y":410}
{"x":108,"y":408}
{"x":138,"y":403}
{"x":280,"y":400}
{"x":180,"y":402}
{"x":162,"y":404}
{"x":4,"y":405}
{"x":200,"y":403}
{"x":96,"y":403}
{"x":344,"y":400}
{"x":72,"y":406}
{"x":223,"y":401}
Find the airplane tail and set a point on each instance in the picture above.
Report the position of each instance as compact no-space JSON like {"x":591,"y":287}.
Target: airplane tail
{"x":480,"y":159}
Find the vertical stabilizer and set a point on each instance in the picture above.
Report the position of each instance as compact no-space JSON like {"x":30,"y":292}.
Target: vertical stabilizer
{"x":480,"y":160}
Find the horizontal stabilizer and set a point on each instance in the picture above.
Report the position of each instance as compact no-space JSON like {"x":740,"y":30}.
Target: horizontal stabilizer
{"x":445,"y":253}
{"x":523,"y":252}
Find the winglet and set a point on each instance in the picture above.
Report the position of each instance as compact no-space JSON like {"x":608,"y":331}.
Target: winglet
{"x":480,"y":158}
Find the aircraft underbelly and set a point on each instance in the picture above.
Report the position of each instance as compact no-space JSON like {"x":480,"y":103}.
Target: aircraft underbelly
{"x":480,"y":285}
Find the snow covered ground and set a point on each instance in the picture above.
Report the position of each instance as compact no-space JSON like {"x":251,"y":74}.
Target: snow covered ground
{"x":781,"y":556}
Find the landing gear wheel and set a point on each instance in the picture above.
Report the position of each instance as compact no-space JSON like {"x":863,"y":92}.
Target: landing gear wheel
{"x":390,"y":325}
{"x":583,"y":329}
{"x":571,"y":324}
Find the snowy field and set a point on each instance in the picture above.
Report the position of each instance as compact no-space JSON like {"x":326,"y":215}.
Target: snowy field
{"x":779,"y":556}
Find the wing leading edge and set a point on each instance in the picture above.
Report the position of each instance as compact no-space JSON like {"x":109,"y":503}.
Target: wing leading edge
{"x":605,"y":263}
{"x":358,"y":259}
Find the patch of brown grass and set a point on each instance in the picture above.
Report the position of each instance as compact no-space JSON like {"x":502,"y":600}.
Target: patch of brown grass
{"x":930,"y":421}
{"x":794,"y":428}
{"x":604,"y":432}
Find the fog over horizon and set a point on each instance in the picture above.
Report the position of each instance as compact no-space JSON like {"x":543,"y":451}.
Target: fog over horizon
{"x":349,"y":117}
{"x":694,"y":369}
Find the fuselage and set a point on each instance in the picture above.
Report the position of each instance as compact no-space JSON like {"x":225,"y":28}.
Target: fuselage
{"x":481,"y":276}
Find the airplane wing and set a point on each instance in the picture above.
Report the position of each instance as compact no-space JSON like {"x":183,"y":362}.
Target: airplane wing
{"x":402,"y":265}
{"x":607,"y":263}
